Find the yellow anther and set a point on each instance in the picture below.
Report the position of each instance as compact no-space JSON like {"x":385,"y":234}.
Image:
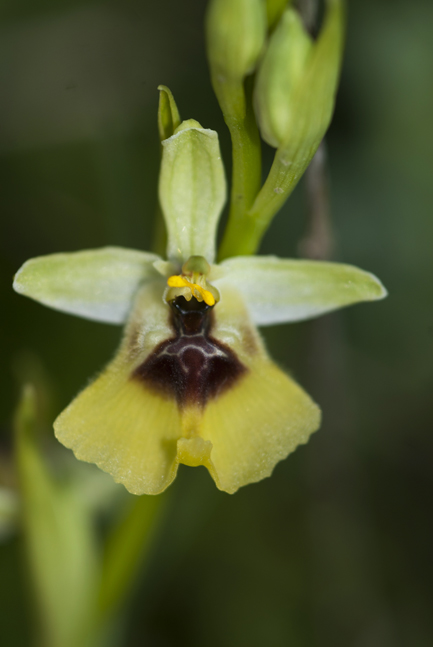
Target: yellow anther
{"x":197,"y":290}
{"x":178,"y":282}
{"x":207,"y":297}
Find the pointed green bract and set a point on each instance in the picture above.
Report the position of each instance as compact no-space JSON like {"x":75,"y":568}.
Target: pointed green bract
{"x":192,"y":191}
{"x":168,"y":114}
{"x":279,"y":73}
{"x":59,"y":541}
{"x":278,"y":290}
{"x":97,"y":284}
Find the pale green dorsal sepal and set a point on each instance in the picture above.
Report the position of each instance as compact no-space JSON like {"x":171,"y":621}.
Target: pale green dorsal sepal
{"x":192,"y":191}
{"x":168,"y":113}
{"x":98,"y":284}
{"x":283,"y":290}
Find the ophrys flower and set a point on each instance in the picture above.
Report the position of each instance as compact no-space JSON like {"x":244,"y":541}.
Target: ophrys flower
{"x":192,"y":382}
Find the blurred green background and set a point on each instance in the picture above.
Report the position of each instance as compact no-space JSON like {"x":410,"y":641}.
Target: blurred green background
{"x":335,"y":548}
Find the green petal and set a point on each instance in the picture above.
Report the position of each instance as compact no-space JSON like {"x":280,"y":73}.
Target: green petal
{"x":192,"y":191}
{"x":97,"y":284}
{"x":281,"y":290}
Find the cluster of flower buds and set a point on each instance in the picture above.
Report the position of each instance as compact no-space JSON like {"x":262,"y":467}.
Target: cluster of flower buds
{"x":296,"y":75}
{"x":264,"y":49}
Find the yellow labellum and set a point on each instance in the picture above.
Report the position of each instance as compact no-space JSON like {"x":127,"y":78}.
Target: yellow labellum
{"x":138,"y":431}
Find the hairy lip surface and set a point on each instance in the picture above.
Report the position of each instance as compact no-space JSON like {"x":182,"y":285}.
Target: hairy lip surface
{"x":193,"y":366}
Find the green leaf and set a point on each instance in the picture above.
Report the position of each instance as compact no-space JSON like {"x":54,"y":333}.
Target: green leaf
{"x":126,"y":550}
{"x":59,"y":541}
{"x":192,"y":191}
{"x":97,"y":284}
{"x":168,"y":114}
{"x":283,"y":290}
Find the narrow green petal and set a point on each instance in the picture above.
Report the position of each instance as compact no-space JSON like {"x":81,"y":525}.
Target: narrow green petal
{"x":168,"y":113}
{"x":192,"y":191}
{"x":282,"y":290}
{"x":97,"y":284}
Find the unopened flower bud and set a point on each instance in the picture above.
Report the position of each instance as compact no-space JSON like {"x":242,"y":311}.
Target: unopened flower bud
{"x":236,"y":32}
{"x":279,"y":74}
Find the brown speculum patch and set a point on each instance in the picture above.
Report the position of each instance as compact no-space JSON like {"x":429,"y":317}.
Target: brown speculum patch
{"x":193,"y":366}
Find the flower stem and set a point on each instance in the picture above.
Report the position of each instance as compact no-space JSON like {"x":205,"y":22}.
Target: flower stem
{"x":125,"y":552}
{"x":251,"y":226}
{"x":235,"y":99}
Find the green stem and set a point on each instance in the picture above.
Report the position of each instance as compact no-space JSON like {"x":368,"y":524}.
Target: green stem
{"x":235,"y":100}
{"x":279,"y":184}
{"x":126,"y":551}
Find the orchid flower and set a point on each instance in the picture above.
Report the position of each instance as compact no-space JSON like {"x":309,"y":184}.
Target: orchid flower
{"x":192,"y":382}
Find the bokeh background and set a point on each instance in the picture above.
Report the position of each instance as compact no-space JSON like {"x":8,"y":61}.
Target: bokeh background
{"x":335,"y":548}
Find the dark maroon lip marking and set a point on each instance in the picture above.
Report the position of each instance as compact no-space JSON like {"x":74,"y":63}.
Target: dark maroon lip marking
{"x":192,"y":367}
